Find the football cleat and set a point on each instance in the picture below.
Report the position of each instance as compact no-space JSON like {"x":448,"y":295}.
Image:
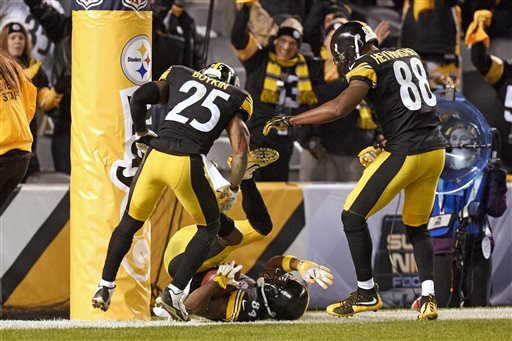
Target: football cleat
{"x":357,"y":302}
{"x":428,"y":308}
{"x":258,"y":158}
{"x":102,"y":297}
{"x":173,"y":304}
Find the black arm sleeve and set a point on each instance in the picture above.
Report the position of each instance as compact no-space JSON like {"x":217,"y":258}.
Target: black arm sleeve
{"x":56,"y":25}
{"x":255,"y":208}
{"x":240,"y":31}
{"x":480,"y":58}
{"x":146,"y":94}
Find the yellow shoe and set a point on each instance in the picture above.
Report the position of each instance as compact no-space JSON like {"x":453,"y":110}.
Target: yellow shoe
{"x":428,"y":308}
{"x":258,"y":158}
{"x":356,"y":303}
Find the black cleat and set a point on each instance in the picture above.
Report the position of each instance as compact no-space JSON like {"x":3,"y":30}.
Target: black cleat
{"x":102,"y":297}
{"x":357,"y":302}
{"x":173,"y":304}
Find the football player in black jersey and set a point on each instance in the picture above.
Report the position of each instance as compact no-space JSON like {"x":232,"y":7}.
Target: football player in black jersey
{"x":238,"y":233}
{"x":200,"y":106}
{"x":276,"y":294}
{"x":395,"y":82}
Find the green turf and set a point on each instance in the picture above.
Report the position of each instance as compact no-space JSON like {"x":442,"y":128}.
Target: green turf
{"x":396,"y":330}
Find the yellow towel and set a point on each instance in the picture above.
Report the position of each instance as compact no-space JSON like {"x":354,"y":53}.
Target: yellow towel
{"x":476,"y":30}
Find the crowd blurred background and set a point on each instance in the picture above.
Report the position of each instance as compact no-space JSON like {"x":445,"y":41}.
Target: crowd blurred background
{"x":250,"y":35}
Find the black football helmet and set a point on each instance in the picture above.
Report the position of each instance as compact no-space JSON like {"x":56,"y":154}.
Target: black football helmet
{"x":349,"y":40}
{"x":222,"y":72}
{"x":285,"y":297}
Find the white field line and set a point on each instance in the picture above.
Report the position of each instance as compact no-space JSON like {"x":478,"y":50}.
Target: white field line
{"x":310,"y":317}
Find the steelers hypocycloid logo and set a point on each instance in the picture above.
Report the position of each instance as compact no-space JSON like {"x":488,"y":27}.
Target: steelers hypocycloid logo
{"x":136,"y":59}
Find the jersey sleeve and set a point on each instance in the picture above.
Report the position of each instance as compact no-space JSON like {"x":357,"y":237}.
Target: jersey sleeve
{"x":246,"y":108}
{"x":363,"y":71}
{"x":495,"y":71}
{"x":165,"y":74}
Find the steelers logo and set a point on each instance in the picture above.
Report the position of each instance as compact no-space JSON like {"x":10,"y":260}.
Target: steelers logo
{"x":136,"y":59}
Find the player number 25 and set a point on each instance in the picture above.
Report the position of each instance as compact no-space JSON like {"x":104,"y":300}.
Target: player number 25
{"x":174,"y":114}
{"x":404,"y":77}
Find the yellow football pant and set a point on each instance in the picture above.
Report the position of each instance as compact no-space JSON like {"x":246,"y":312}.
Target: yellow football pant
{"x":390,"y":173}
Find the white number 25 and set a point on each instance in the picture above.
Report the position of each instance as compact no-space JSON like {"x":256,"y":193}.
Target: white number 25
{"x":174,"y":114}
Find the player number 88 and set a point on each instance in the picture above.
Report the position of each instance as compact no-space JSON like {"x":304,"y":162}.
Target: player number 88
{"x":404,"y":77}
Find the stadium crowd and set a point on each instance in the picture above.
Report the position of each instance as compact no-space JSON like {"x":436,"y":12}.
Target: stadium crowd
{"x":284,"y":50}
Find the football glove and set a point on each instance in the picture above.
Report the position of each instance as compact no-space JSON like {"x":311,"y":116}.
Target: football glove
{"x":312,"y":272}
{"x":365,"y":120}
{"x":226,"y":274}
{"x":143,"y":140}
{"x":278,"y":123}
{"x":368,"y":155}
{"x":227,"y":198}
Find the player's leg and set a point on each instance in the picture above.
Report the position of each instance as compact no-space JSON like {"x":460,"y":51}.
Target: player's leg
{"x":418,"y":203}
{"x":144,"y":192}
{"x":382,"y":180}
{"x":195,"y":193}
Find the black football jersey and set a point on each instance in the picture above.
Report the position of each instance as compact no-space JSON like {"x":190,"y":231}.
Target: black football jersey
{"x":400,"y":93}
{"x":246,"y":304}
{"x":198,"y":110}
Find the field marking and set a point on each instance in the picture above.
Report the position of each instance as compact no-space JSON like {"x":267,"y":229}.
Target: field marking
{"x":385,"y":315}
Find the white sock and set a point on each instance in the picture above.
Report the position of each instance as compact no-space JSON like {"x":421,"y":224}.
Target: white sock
{"x":427,"y":287}
{"x":107,"y":284}
{"x":176,"y":291}
{"x":367,"y":285}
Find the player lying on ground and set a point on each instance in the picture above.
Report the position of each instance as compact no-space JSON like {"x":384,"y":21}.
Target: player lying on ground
{"x":237,"y":233}
{"x":226,"y":295}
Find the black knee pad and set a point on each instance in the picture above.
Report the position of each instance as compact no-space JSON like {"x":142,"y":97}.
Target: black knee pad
{"x":416,"y":233}
{"x":352,"y":221}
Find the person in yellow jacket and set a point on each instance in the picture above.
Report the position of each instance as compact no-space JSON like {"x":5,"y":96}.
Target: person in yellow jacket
{"x":15,"y":40}
{"x":17,"y":108}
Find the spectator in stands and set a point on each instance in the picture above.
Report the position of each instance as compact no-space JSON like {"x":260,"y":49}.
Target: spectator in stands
{"x":497,"y":72}
{"x":174,"y":44}
{"x":460,"y":230}
{"x":17,"y":108}
{"x":332,"y":147}
{"x":432,"y":28}
{"x":280,"y":80}
{"x":58,"y":28}
{"x":320,"y":17}
{"x":15,"y":41}
{"x":297,"y":8}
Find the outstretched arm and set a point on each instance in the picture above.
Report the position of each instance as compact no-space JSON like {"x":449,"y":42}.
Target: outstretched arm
{"x":310,"y":271}
{"x":335,"y":109}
